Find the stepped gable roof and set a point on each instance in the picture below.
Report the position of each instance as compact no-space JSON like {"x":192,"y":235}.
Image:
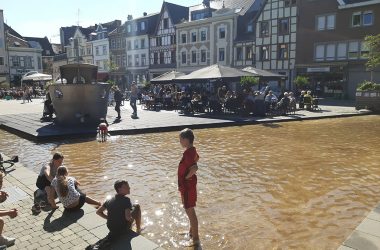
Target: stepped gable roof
{"x":45,"y":45}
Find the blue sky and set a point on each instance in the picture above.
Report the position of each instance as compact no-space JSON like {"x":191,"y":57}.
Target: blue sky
{"x":41,"y":18}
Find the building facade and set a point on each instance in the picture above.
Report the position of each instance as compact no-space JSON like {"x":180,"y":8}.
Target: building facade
{"x":163,"y":42}
{"x":4,"y":69}
{"x":118,"y":56}
{"x":206,"y":41}
{"x":276,"y":38}
{"x":79,"y":48}
{"x":22,"y":57}
{"x":333,"y":53}
{"x":47,"y":52}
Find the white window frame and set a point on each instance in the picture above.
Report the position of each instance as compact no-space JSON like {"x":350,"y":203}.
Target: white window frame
{"x":316,"y":54}
{"x":362,"y":18}
{"x":352,"y":21}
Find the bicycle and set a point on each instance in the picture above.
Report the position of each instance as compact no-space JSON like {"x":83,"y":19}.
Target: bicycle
{"x":5,"y":165}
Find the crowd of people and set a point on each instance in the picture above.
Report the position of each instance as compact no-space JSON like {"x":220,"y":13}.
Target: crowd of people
{"x":25,"y":93}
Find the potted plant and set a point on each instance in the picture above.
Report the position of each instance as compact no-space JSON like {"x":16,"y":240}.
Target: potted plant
{"x":368,"y":96}
{"x":301,"y":82}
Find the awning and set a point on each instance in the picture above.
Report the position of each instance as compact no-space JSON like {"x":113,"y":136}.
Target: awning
{"x":37,"y":77}
{"x":167,"y":77}
{"x":262,"y":73}
{"x":215,"y":71}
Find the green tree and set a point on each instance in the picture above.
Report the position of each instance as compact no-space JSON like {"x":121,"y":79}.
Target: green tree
{"x":248,"y":81}
{"x":301,"y":81}
{"x":373,"y":44}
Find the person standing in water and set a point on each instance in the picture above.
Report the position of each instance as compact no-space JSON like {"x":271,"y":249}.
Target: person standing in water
{"x":187,"y":182}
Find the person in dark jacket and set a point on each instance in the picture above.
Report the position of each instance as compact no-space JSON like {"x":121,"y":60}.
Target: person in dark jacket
{"x":118,"y":97}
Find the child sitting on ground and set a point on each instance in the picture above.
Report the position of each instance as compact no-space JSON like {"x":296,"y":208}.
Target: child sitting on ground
{"x":103,"y":130}
{"x":68,"y":192}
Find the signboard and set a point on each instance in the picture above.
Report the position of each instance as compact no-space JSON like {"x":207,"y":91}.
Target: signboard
{"x":320,"y":69}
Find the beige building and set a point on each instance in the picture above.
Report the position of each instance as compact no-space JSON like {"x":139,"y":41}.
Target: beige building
{"x":79,"y":48}
{"x":206,"y":41}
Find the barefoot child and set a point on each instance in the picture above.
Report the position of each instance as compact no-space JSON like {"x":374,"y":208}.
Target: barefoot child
{"x":103,"y":130}
{"x":187,"y":181}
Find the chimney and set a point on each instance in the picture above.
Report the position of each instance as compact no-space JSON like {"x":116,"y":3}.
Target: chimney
{"x":130,"y":17}
{"x":145,"y":14}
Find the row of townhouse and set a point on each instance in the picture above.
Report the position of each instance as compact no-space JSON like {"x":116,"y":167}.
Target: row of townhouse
{"x":322,"y":39}
{"x":19,"y":54}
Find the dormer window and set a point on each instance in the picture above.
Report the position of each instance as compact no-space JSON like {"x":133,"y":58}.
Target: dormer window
{"x":166,"y":23}
{"x":250,"y":27}
{"x":142,"y":25}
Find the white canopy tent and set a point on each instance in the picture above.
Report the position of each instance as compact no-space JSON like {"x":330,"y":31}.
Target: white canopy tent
{"x":36,"y":77}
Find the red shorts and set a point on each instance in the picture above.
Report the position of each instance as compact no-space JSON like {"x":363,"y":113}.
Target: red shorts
{"x":189,"y":198}
{"x":103,"y":129}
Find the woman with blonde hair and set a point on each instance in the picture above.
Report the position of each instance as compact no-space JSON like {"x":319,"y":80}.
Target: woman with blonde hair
{"x":68,"y":192}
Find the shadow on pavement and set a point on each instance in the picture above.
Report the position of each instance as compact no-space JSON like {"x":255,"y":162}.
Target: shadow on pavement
{"x":62,"y":222}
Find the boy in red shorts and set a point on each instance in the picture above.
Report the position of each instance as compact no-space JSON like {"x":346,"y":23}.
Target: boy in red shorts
{"x":187,"y":181}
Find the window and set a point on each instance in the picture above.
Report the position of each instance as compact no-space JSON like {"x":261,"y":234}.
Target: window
{"x":39,"y":62}
{"x":353,"y":50}
{"x":183,"y":38}
{"x":320,"y":52}
{"x":143,"y":60}
{"x":264,"y":29}
{"x":113,"y":44}
{"x":203,"y":56}
{"x":105,"y":50}
{"x":264,"y":53}
{"x":356,"y":19}
{"x":367,"y":18}
{"x":364,"y":50}
{"x":283,"y":51}
{"x":142,"y":25}
{"x":162,"y":58}
{"x":326,"y":22}
{"x":183,"y":57}
{"x":137,"y":60}
{"x":239,"y":53}
{"x":193,"y":37}
{"x":15,"y":61}
{"x":193,"y":57}
{"x":88,"y":51}
{"x":166,"y":23}
{"x":142,"y":43}
{"x":1,"y":60}
{"x":118,"y":43}
{"x":129,"y":60}
{"x":136,"y":27}
{"x":129,"y":45}
{"x":248,"y":53}
{"x":330,"y":22}
{"x":203,"y":35}
{"x":158,"y":41}
{"x":330,"y":52}
{"x":289,"y":3}
{"x":155,"y":58}
{"x":221,"y":54}
{"x":342,"y":51}
{"x":128,"y":28}
{"x":173,"y":56}
{"x":136,"y":44}
{"x":97,"y":50}
{"x":250,"y":27}
{"x":283,"y":26}
{"x":222,"y":33}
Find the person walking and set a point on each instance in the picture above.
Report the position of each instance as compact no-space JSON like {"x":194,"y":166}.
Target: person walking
{"x":118,"y":97}
{"x":133,"y":99}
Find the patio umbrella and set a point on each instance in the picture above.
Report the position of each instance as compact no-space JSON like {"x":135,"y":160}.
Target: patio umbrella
{"x":37,"y":77}
{"x":262,"y":73}
{"x":215,"y":71}
{"x":167,"y":77}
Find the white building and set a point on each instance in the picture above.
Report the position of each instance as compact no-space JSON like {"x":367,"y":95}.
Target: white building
{"x":4,"y":70}
{"x":276,"y":38}
{"x":79,"y":48}
{"x":22,"y":57}
{"x":138,"y":31}
{"x":100,"y":48}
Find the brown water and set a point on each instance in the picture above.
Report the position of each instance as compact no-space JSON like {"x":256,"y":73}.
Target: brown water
{"x":296,"y":185}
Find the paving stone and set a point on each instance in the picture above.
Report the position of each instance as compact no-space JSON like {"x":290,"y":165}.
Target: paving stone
{"x":369,"y":226}
{"x":360,"y":240}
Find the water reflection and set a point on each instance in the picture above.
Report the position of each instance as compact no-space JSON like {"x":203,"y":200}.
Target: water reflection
{"x":295,"y":185}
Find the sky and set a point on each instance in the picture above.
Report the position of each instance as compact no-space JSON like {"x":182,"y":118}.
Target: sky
{"x":40,"y":18}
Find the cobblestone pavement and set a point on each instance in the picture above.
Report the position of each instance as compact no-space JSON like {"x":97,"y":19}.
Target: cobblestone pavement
{"x":53,"y":229}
